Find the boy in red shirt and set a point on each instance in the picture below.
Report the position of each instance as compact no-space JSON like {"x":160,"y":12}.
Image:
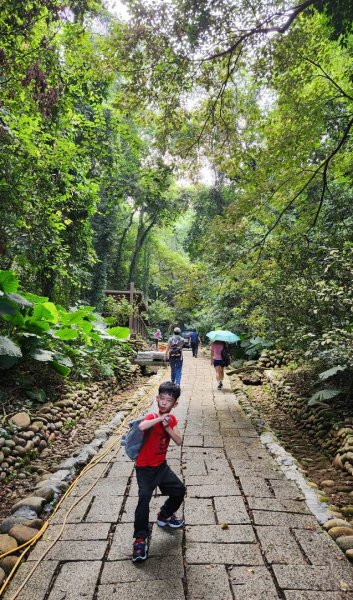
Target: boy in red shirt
{"x":152,"y":469}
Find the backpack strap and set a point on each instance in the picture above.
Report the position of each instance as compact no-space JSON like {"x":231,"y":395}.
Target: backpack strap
{"x":148,"y":432}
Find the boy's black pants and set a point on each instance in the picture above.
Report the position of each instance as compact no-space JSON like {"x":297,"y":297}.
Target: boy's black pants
{"x":148,"y":478}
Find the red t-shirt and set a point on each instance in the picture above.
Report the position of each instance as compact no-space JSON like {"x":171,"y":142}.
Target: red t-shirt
{"x":153,"y":452}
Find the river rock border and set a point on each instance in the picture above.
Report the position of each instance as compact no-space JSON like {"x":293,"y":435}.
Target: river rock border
{"x":338,"y":528}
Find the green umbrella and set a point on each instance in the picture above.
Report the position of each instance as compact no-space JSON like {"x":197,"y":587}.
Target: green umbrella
{"x":221,"y":335}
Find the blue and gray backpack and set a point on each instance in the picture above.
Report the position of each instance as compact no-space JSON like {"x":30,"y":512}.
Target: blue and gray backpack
{"x":134,"y":439}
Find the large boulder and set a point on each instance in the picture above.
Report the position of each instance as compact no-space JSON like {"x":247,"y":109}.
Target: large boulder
{"x":21,"y":420}
{"x":7,"y":543}
{"x":345,"y":542}
{"x":337,"y":532}
{"x":23,"y":534}
{"x":335,"y":523}
{"x":8,"y":563}
{"x":35,"y":503}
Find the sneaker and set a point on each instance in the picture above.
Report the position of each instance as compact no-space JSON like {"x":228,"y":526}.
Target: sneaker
{"x":140,"y":550}
{"x":172,"y":521}
{"x":220,"y":385}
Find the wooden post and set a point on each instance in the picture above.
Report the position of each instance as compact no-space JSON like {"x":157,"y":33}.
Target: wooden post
{"x":131,"y":318}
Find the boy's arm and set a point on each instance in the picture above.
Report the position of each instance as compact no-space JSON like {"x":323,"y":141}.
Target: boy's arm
{"x":175,"y":435}
{"x":212,"y":354}
{"x":148,"y":423}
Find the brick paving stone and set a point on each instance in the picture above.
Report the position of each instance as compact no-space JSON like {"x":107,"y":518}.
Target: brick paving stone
{"x":318,"y":547}
{"x":255,"y":486}
{"x":121,"y":468}
{"x":193,"y":440}
{"x":121,"y":547}
{"x":166,"y":542}
{"x":199,"y":453}
{"x":104,"y":509}
{"x":215,"y":533}
{"x":80,"y":531}
{"x":282,"y":520}
{"x":37,"y":585}
{"x":208,"y":582}
{"x":253,"y":583}
{"x":113,"y":486}
{"x":70,"y":550}
{"x":209,"y":491}
{"x":76,"y":580}
{"x":321,"y":578}
{"x":248,"y":433}
{"x":213,"y":441}
{"x":213,"y":479}
{"x":231,"y":510}
{"x":249,"y":468}
{"x":77,"y":513}
{"x":218,"y":466}
{"x":198,"y":511}
{"x":231,"y":554}
{"x":196,"y":468}
{"x":285,"y":489}
{"x":158,"y":567}
{"x":146,"y":590}
{"x":280,"y":546}
{"x":302,"y":595}
{"x":275,"y":505}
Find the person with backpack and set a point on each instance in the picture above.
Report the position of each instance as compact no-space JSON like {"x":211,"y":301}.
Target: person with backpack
{"x":219,"y":359}
{"x":153,"y":471}
{"x":174,"y":353}
{"x":195,"y":341}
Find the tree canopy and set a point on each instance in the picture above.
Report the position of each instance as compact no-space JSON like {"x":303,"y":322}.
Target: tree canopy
{"x":107,"y":125}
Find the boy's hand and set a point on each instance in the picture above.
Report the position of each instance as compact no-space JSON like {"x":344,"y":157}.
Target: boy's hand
{"x":165,"y":420}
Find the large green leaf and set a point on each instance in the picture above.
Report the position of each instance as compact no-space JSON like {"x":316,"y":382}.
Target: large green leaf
{"x":36,"y":394}
{"x":8,"y":281}
{"x":37,"y":326}
{"x":46,"y":311}
{"x":8,"y":307}
{"x":20,"y":300}
{"x":323,"y":395}
{"x":63,"y":360}
{"x":331,"y":372}
{"x":85,"y":326}
{"x":60,"y":368}
{"x":120,"y":333}
{"x":8,"y":347}
{"x":42,"y":355}
{"x":36,"y":299}
{"x":66,"y":333}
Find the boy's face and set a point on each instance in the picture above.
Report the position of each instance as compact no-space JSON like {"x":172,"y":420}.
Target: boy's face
{"x":165,"y":403}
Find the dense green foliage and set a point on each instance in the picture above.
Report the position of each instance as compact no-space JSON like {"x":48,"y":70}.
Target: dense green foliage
{"x":100,"y":119}
{"x":37,"y":330}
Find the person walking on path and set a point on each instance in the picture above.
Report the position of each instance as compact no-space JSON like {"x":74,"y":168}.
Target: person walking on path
{"x":157,"y":336}
{"x":174,"y":352}
{"x":217,"y":361}
{"x":152,"y":469}
{"x":195,"y":342}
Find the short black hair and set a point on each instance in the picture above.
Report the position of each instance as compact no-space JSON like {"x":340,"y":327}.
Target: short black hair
{"x":194,"y":329}
{"x":172,"y":389}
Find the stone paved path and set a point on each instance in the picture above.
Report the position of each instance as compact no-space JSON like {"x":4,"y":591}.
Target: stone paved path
{"x":248,"y":532}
